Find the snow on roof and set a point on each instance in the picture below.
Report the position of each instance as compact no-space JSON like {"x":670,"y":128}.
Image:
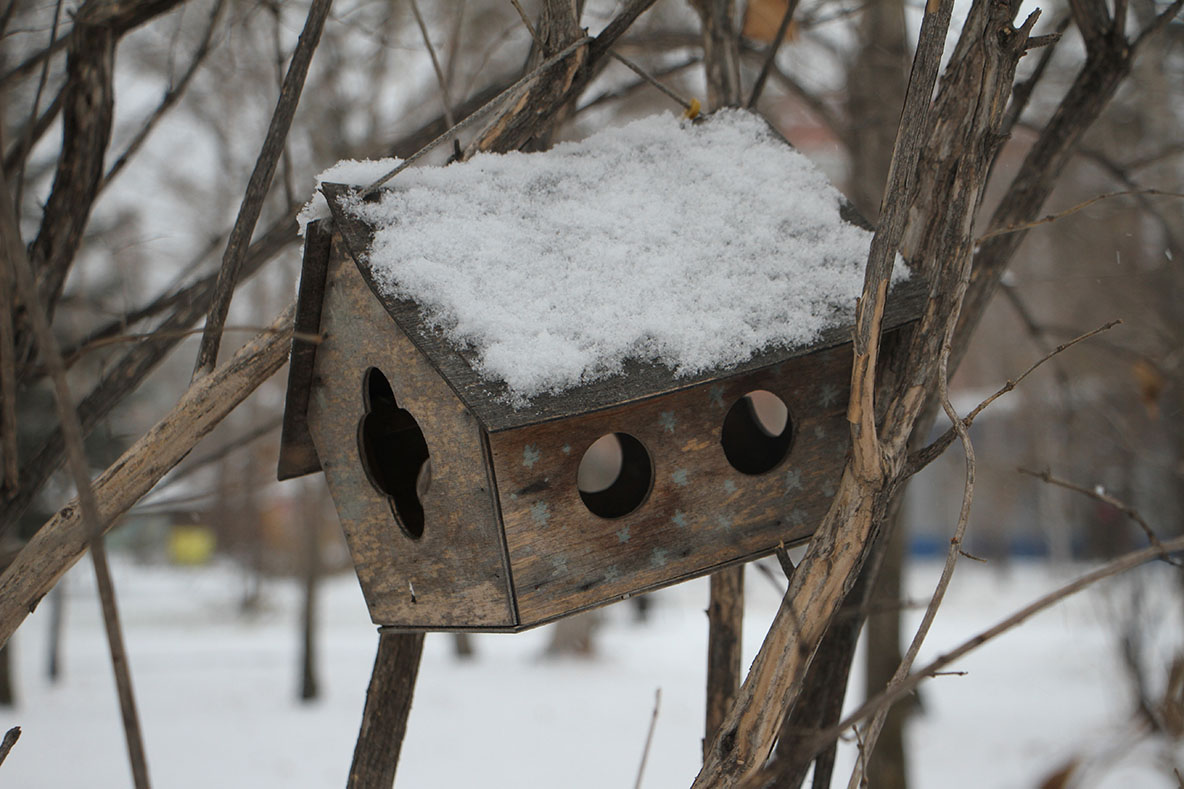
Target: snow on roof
{"x":692,"y":245}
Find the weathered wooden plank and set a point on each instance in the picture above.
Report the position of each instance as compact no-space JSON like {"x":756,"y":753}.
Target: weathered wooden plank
{"x":455,"y":573}
{"x":298,"y":454}
{"x":388,"y":705}
{"x":700,"y":514}
{"x":638,"y":380}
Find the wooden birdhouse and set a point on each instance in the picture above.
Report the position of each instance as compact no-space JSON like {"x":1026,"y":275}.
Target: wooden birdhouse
{"x":468,"y":506}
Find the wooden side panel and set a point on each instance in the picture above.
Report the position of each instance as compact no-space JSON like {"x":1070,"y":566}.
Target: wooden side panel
{"x":701,"y":512}
{"x":298,"y":454}
{"x":455,"y":574}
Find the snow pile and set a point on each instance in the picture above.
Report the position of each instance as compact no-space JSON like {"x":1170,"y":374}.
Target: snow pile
{"x":694,"y":245}
{"x":351,"y":172}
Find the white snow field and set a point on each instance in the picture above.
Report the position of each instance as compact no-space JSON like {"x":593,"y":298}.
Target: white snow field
{"x":217,"y":692}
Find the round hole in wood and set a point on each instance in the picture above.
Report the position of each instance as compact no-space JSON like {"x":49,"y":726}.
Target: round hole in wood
{"x":394,"y":452}
{"x":615,"y":475}
{"x":757,"y":432}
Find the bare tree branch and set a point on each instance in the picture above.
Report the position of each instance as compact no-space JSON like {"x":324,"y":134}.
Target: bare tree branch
{"x":127,"y":374}
{"x":1098,"y":494}
{"x":1105,"y":68}
{"x":478,"y":114}
{"x":30,"y":64}
{"x":771,"y":55}
{"x":871,"y":732}
{"x":721,"y":52}
{"x":1073,"y":210}
{"x":649,"y":738}
{"x":445,"y":98}
{"x":30,"y":134}
{"x":257,"y":187}
{"x":639,"y":71}
{"x":41,"y":80}
{"x":923,"y":457}
{"x":10,"y":738}
{"x":87,"y":110}
{"x":26,"y":287}
{"x":628,"y":90}
{"x":171,"y":97}
{"x":819,"y":584}
{"x":62,"y":540}
{"x":891,"y":695}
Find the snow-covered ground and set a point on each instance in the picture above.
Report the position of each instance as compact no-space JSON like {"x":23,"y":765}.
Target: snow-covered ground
{"x":217,"y":691}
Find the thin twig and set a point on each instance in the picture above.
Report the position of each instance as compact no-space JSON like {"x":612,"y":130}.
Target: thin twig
{"x":478,"y":114}
{"x":26,"y":288}
{"x":891,"y":695}
{"x":26,"y":66}
{"x":277,"y":45}
{"x":6,"y":17}
{"x":10,"y":738}
{"x":1099,"y":494}
{"x":10,"y":475}
{"x":196,"y":464}
{"x":1161,"y":21}
{"x":62,"y":540}
{"x":923,"y":457}
{"x":1068,"y":212}
{"x":649,"y":737}
{"x":871,"y":733}
{"x":161,"y":336}
{"x":785,"y":562}
{"x":444,"y":93}
{"x":31,"y":133}
{"x":27,"y":142}
{"x":257,"y":187}
{"x":534,"y":35}
{"x":454,"y":38}
{"x":764,"y":570}
{"x":628,"y":90}
{"x":1021,"y":94}
{"x":819,"y":108}
{"x":170,"y":98}
{"x":171,"y":296}
{"x":759,"y":86}
{"x":639,"y":71}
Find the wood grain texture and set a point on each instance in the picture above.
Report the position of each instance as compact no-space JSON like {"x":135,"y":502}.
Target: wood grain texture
{"x":388,"y":705}
{"x":298,"y":454}
{"x":455,"y":574}
{"x":488,"y":400}
{"x":701,"y":513}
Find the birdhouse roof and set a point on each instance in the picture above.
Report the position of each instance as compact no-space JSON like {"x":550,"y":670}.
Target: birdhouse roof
{"x":643,"y":260}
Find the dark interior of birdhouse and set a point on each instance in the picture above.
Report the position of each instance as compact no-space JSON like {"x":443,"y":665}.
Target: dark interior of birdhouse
{"x":394,"y":452}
